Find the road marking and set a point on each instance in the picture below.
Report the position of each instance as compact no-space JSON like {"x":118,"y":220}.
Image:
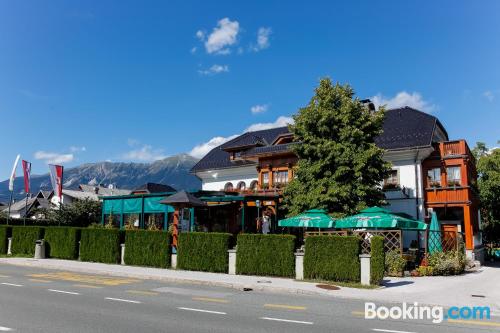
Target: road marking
{"x":85,"y":278}
{"x":284,"y":306}
{"x":4,"y":276}
{"x":142,"y":292}
{"x":122,"y":300}
{"x":208,"y":299}
{"x":358,"y":313}
{"x":63,"y":292}
{"x":11,"y":284}
{"x":87,"y":286}
{"x":201,"y":310}
{"x":39,"y":280}
{"x":288,"y":320}
{"x":5,"y":329}
{"x":389,"y":331}
{"x":474,"y":322}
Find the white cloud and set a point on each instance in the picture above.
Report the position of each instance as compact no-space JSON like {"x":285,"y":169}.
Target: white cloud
{"x":202,"y":149}
{"x":144,"y":154}
{"x":280,"y":122}
{"x":75,"y":149}
{"x":222,"y":37}
{"x":262,"y":39}
{"x":133,"y":142}
{"x":489,"y":95}
{"x":214,"y":69}
{"x":259,"y":108}
{"x":403,"y":98}
{"x":53,"y":158}
{"x":193,"y":50}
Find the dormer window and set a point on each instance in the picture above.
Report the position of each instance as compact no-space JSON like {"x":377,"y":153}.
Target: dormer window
{"x":228,"y":187}
{"x":241,"y":186}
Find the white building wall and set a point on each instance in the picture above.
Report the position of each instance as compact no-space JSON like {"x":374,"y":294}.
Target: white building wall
{"x":215,"y":180}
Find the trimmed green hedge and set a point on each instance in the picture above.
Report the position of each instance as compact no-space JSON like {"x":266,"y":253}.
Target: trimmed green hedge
{"x":203,"y":251}
{"x":100,"y":245}
{"x":334,"y":258}
{"x":23,"y":239}
{"x":62,"y":242}
{"x":266,"y":255}
{"x":4,"y":231}
{"x":147,"y":248}
{"x":377,"y":263}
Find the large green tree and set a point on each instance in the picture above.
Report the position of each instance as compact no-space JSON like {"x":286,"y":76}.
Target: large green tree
{"x":340,"y":167}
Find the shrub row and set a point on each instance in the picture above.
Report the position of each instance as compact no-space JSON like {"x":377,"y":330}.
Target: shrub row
{"x":4,"y":233}
{"x":334,"y":258}
{"x":24,"y":238}
{"x":147,"y":248}
{"x":200,"y":251}
{"x":62,"y":242}
{"x":377,"y":263}
{"x":266,"y":255}
{"x":100,"y":245}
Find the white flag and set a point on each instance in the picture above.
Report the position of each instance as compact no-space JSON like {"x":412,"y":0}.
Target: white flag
{"x":13,"y":174}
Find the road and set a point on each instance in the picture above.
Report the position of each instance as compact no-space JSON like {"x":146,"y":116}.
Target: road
{"x":37,"y":300}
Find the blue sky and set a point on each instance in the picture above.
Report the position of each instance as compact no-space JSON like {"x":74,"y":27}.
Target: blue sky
{"x":87,"y":81}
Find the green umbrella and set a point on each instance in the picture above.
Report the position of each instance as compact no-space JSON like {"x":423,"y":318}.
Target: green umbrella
{"x":314,"y":218}
{"x":434,"y":243}
{"x":378,"y":218}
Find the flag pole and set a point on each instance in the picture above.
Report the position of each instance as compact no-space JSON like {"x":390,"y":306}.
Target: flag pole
{"x":10,"y":202}
{"x":25,"y":209}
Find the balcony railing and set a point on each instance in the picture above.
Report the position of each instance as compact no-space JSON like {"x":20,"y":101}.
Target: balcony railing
{"x":454,"y":148}
{"x":447,"y":195}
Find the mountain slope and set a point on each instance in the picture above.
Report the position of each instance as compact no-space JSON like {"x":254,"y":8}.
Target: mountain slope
{"x":173,"y":171}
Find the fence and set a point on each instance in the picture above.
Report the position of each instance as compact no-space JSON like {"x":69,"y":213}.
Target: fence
{"x":392,"y":240}
{"x":444,"y":240}
{"x":325,"y":233}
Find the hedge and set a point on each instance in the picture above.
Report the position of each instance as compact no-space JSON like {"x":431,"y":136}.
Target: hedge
{"x":100,"y":245}
{"x":4,"y":233}
{"x":203,"y":251}
{"x":23,"y":239}
{"x":271,"y":255}
{"x":377,"y":263}
{"x":28,"y":222}
{"x":147,"y":248}
{"x":334,"y":258}
{"x":62,"y":242}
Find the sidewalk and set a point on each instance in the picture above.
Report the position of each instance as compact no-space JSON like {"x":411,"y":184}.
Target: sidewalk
{"x":446,"y":291}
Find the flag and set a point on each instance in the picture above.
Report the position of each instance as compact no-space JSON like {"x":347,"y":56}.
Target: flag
{"x":27,"y":176}
{"x":13,"y":174}
{"x":56,"y":178}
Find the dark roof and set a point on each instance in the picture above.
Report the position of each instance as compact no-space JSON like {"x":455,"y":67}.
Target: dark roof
{"x":249,"y":139}
{"x":154,"y":188}
{"x":404,"y":128}
{"x":183,"y":197}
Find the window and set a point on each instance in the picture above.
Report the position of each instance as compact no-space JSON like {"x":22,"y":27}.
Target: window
{"x":434,"y":177}
{"x":453,"y":176}
{"x":265,"y":180}
{"x":229,"y":187}
{"x":280,"y":178}
{"x":241,"y":186}
{"x":392,"y":180}
{"x":253,"y":185}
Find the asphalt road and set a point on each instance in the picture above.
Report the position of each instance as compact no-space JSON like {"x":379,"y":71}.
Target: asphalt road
{"x":35,"y":300}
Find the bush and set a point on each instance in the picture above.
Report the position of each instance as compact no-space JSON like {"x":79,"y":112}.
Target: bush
{"x":23,"y":239}
{"x":394,"y":263}
{"x":100,"y":245}
{"x":377,"y":263}
{"x":425,"y":270}
{"x":334,"y":258}
{"x":62,"y":242}
{"x":29,"y":222}
{"x":4,"y":234}
{"x":446,"y":263}
{"x":203,"y":251}
{"x":147,"y":248}
{"x":266,"y":255}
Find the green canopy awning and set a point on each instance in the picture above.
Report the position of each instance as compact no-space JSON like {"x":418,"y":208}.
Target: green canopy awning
{"x":434,"y":242}
{"x":314,"y":218}
{"x":379,"y":218}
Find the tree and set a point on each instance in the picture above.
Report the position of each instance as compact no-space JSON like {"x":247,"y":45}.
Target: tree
{"x":340,"y":168}
{"x":80,"y":213}
{"x":488,"y":167}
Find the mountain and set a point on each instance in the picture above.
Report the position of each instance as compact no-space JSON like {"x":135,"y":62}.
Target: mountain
{"x":173,"y":171}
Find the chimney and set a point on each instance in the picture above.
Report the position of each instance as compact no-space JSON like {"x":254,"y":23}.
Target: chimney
{"x":368,"y":104}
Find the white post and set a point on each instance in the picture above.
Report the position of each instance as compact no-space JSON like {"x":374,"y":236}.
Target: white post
{"x":173,"y":261}
{"x":365,"y":268}
{"x":299,"y":265}
{"x":232,"y":261}
{"x":9,"y":246}
{"x":122,"y":254}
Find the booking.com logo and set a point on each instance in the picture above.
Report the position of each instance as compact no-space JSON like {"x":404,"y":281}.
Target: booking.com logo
{"x":414,"y":311}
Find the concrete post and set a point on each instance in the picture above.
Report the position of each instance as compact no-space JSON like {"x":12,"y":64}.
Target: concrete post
{"x":232,"y":261}
{"x":299,"y":265}
{"x":9,"y":246}
{"x":173,"y":260}
{"x":365,"y":260}
{"x":79,"y":249}
{"x":122,"y":254}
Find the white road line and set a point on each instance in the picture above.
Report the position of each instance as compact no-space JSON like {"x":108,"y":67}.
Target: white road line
{"x":288,"y":320}
{"x":5,"y":329}
{"x":63,"y":292}
{"x":123,"y":300}
{"x":200,"y":310}
{"x":12,"y":284}
{"x":389,"y":331}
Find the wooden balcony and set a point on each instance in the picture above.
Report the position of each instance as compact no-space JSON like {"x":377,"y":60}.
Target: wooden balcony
{"x":448,"y":195}
{"x":449,"y":149}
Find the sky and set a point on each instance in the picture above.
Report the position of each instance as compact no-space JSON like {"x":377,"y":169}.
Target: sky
{"x":89,"y":81}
